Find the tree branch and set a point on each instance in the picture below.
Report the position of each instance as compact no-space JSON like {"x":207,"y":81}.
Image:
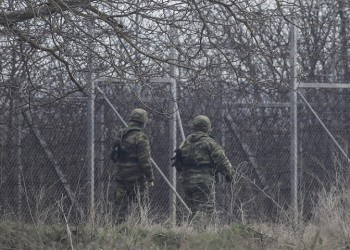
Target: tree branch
{"x":53,"y":6}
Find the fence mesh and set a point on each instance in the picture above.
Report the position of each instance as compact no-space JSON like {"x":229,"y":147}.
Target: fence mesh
{"x":43,"y":155}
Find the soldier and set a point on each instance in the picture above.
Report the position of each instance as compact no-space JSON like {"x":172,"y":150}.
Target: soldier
{"x":198,"y":159}
{"x":134,"y":173}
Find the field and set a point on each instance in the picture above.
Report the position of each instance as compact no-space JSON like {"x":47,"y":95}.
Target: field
{"x":329,"y":229}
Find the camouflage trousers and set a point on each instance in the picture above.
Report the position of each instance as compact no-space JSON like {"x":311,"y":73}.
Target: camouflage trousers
{"x":132,"y":199}
{"x":199,"y":195}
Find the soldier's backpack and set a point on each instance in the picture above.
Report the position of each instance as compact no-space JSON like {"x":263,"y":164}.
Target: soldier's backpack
{"x":186,"y":153}
{"x":116,"y":150}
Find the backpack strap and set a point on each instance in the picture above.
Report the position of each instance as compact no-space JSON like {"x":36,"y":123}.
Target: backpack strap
{"x":117,"y":145}
{"x":127,"y":131}
{"x":191,"y":143}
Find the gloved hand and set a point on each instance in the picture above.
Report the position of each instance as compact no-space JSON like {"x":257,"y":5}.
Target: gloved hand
{"x":151,"y":184}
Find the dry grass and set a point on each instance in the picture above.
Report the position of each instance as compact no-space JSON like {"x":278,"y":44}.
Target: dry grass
{"x":328,"y":229}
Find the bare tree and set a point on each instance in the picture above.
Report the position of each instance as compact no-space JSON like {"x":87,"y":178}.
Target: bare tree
{"x":229,"y":54}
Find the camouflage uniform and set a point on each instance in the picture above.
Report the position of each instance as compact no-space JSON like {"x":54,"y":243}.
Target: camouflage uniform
{"x":134,"y":169}
{"x":201,"y":158}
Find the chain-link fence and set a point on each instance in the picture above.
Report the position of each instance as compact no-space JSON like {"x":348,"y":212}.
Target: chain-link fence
{"x":44,"y":152}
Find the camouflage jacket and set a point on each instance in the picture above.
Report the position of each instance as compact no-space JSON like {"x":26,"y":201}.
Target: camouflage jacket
{"x":201,"y":154}
{"x":134,"y":157}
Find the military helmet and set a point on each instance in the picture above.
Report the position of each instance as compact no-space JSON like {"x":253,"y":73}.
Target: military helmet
{"x":201,"y":123}
{"x":139,"y":115}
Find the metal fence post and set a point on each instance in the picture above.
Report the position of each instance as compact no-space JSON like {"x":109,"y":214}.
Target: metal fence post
{"x":294,"y":124}
{"x":173,"y":142}
{"x":173,"y":131}
{"x":91,"y":131}
{"x":91,"y":148}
